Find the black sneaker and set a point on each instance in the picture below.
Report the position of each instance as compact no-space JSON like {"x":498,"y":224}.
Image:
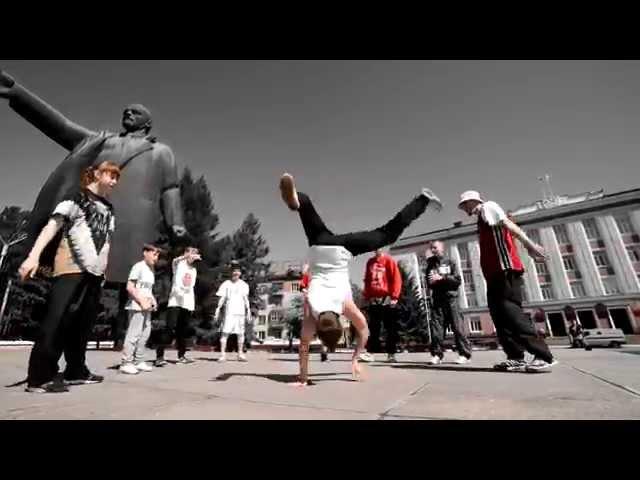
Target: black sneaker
{"x":49,"y":387}
{"x":185,"y":361}
{"x":511,"y":366}
{"x":160,"y":362}
{"x":324,"y":356}
{"x":90,"y":379}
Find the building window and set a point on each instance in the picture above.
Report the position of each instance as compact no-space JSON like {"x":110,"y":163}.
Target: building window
{"x":624,"y":224}
{"x":472,"y":301}
{"x":601,"y":259}
{"x":275,"y":316}
{"x":534,"y":235}
{"x":569,"y":263}
{"x":577,"y":289}
{"x":295,"y":287}
{"x":547,"y":292}
{"x":610,"y":286}
{"x":262,"y":319}
{"x":261,"y":335}
{"x":561,"y":234}
{"x":591,"y":229}
{"x":475,"y":325}
{"x":634,"y":253}
{"x":464,"y":255}
{"x":468,"y":278}
{"x":541,"y":268}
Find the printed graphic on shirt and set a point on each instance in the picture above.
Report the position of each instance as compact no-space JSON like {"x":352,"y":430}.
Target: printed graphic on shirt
{"x":88,"y":225}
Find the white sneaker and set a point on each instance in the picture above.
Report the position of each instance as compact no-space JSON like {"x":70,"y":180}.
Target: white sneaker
{"x":242,"y":358}
{"x":462,"y":360}
{"x":434,"y":360}
{"x":540,"y":366}
{"x":128,"y":368}
{"x":366,"y":357}
{"x":434,"y":201}
{"x":144,"y":367}
{"x":222,"y":359}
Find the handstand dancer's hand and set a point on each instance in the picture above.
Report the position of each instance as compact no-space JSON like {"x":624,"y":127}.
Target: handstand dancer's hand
{"x":357,"y":371}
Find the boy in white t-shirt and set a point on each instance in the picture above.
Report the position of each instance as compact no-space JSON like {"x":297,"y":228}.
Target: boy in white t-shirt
{"x":181,"y":305}
{"x":140,"y":305}
{"x":234,"y":296}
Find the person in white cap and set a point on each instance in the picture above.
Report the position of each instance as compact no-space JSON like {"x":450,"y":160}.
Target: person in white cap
{"x":503,"y":270}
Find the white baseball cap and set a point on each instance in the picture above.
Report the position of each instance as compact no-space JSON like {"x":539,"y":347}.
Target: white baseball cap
{"x":470,"y":195}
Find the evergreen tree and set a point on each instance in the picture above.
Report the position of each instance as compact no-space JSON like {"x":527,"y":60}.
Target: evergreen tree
{"x":412,"y":313}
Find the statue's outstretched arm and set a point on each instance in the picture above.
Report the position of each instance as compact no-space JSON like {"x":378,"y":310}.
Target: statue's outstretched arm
{"x":171,"y":199}
{"x":41,"y":115}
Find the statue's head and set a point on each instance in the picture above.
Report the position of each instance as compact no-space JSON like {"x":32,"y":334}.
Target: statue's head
{"x":136,"y":117}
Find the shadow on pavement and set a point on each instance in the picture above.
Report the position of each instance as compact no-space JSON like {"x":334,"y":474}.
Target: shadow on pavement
{"x":282,"y":378}
{"x":452,"y":368}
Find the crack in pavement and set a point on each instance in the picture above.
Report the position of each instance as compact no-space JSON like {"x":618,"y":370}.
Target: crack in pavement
{"x":401,"y":401}
{"x":609,"y":382}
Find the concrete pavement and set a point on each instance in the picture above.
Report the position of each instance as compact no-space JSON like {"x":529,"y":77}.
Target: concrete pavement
{"x":601,"y":384}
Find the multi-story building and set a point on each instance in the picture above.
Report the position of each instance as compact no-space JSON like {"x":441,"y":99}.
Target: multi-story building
{"x":592,"y":269}
{"x":281,"y":287}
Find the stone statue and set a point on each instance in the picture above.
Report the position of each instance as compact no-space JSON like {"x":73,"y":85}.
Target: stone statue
{"x":147,"y":194}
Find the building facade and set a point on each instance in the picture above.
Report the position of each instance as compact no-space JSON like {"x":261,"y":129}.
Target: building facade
{"x":592,"y":269}
{"x":278,"y":293}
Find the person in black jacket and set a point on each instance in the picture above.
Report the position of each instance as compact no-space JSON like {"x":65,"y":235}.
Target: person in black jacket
{"x":443,"y":280}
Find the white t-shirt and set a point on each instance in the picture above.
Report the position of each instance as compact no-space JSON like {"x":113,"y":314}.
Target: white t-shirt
{"x":235,"y":294}
{"x":492,"y":213}
{"x":182,"y":289}
{"x":329,"y":286}
{"x":88,"y":226}
{"x":144,"y":278}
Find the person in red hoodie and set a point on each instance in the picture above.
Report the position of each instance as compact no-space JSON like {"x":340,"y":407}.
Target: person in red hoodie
{"x":382,"y":285}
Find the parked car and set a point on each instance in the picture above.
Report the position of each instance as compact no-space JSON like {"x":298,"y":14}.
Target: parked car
{"x":603,"y":337}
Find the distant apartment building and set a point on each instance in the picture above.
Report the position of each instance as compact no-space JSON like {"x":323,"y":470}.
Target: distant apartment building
{"x":281,"y":287}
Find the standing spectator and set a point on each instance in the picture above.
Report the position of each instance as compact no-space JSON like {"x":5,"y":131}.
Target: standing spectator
{"x":234,"y":296}
{"x":82,"y":225}
{"x":382,"y":286}
{"x":503,"y":270}
{"x":182,"y":303}
{"x":139,"y":308}
{"x":443,"y":280}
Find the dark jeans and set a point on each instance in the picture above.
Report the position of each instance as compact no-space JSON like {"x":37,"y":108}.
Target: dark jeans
{"x":122,"y":319}
{"x":358,"y":242}
{"x":382,"y":315}
{"x":444,"y":312}
{"x":515,"y":331}
{"x":178,"y":323}
{"x":71,"y":314}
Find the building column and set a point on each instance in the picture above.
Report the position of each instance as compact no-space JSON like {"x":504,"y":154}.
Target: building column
{"x":476,"y":270}
{"x":454,"y":255}
{"x":635,"y":220}
{"x":559,"y":278}
{"x":584,"y":258}
{"x":530,"y":277}
{"x":617,"y":253}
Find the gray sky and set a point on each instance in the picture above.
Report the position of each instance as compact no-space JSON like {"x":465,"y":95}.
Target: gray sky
{"x":361,"y":137}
